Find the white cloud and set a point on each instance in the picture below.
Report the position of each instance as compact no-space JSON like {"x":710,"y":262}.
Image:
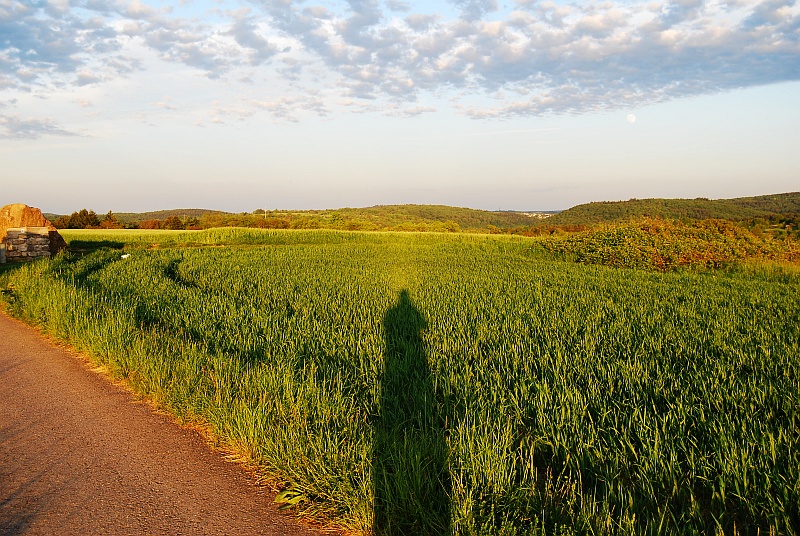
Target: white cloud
{"x":567,"y":59}
{"x":15,"y":127}
{"x":85,"y":77}
{"x":541,"y":58}
{"x":475,"y":9}
{"x":398,"y":5}
{"x":246,"y":33}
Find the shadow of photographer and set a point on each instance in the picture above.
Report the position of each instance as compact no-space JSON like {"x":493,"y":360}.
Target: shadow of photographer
{"x":410,"y":468}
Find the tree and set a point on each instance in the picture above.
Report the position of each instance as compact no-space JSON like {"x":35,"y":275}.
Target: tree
{"x":62,"y":222}
{"x":110,"y":222}
{"x":83,"y":219}
{"x":150,"y":224}
{"x":191,"y":223}
{"x":173,"y":222}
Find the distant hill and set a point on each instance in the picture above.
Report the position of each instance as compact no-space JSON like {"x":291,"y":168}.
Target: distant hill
{"x":135,"y":217}
{"x":788,"y":203}
{"x":739,"y":209}
{"x":466,"y":218}
{"x":441,"y":217}
{"x":381,"y":217}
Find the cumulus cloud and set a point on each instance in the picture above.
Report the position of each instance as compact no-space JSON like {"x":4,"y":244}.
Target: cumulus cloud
{"x":14,"y":127}
{"x":475,"y":9}
{"x":553,"y":58}
{"x":541,"y":57}
{"x":86,"y":77}
{"x":398,"y":5}
{"x":245,"y":32}
{"x":280,"y":109}
{"x":286,"y":108}
{"x":43,"y":45}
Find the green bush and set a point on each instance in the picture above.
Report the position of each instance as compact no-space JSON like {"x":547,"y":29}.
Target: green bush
{"x":667,"y":245}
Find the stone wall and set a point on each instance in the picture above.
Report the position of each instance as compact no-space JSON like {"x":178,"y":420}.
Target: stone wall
{"x":37,"y":229}
{"x":27,"y":244}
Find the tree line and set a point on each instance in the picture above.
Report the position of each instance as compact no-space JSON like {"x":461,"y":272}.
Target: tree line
{"x":88,"y":219}
{"x":779,"y":226}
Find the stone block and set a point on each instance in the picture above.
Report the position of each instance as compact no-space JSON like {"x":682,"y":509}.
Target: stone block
{"x":18,"y":217}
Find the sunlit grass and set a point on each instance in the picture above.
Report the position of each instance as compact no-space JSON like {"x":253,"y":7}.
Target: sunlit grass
{"x":437,"y":384}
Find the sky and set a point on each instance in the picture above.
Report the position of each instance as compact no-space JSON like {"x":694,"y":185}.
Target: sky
{"x":138,"y":105}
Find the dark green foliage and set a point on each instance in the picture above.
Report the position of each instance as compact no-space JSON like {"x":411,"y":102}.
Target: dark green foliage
{"x":744,"y":208}
{"x":464,"y":218}
{"x":82,"y":219}
{"x":788,"y":203}
{"x":173,"y":223}
{"x":181,"y":213}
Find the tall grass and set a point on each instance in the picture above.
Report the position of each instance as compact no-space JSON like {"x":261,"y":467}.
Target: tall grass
{"x":423,"y":384}
{"x":89,"y":239}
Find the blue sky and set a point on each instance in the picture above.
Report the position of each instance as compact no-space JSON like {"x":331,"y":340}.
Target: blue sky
{"x":493,"y":104}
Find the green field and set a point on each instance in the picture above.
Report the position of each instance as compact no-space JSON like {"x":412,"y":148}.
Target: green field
{"x":405,"y":383}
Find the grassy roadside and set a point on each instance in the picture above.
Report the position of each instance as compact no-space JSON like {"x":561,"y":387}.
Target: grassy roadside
{"x":439,"y":384}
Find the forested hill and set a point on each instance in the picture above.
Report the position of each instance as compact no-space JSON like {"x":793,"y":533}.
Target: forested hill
{"x":135,"y":217}
{"x":383,"y":217}
{"x":788,"y":203}
{"x":739,"y":209}
{"x":466,"y":218}
{"x":775,"y":210}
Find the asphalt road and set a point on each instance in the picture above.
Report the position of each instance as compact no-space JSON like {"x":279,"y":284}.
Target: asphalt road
{"x":78,"y":455}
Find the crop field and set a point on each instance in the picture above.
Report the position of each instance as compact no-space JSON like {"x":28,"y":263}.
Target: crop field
{"x":453,"y":384}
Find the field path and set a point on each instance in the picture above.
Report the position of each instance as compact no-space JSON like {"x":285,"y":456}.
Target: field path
{"x":79,"y":456}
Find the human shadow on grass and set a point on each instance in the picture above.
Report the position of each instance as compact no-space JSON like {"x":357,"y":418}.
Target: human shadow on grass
{"x":410,"y":469}
{"x":82,"y":247}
